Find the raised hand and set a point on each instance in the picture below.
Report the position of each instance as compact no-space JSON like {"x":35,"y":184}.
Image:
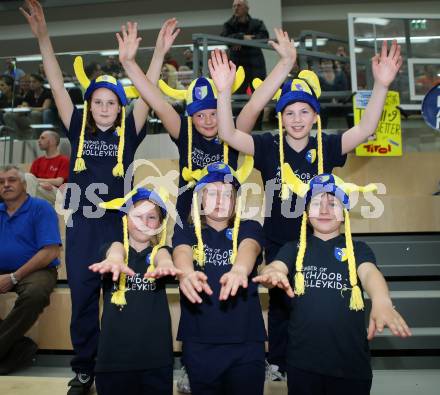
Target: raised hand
{"x":386,"y":64}
{"x":193,"y":283}
{"x":284,"y":45}
{"x":222,"y":70}
{"x":128,"y":42}
{"x":231,"y":281}
{"x":275,"y":278}
{"x":384,"y":314}
{"x":114,"y":266}
{"x":166,"y":36}
{"x":35,"y":17}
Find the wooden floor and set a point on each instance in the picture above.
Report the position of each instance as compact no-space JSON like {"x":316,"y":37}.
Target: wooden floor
{"x":400,"y":382}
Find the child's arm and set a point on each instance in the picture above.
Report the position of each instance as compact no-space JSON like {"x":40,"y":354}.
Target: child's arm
{"x":223,"y":74}
{"x":151,"y":94}
{"x":164,"y":41}
{"x":382,"y":309}
{"x":385,"y":67}
{"x":35,"y":17}
{"x":113,"y":262}
{"x":259,"y":99}
{"x":247,"y":254}
{"x":191,"y":282}
{"x":275,"y":275}
{"x":164,"y":265}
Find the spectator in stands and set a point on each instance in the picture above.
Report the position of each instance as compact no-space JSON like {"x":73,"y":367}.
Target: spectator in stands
{"x":93,"y":70}
{"x":24,"y":88}
{"x":39,"y":101}
{"x":29,"y":249}
{"x":112,"y":67}
{"x":6,"y":91}
{"x":41,"y":72}
{"x":12,"y":70}
{"x":330,"y":78}
{"x":427,"y":80}
{"x":168,"y":59}
{"x":242,"y":26}
{"x":188,"y":55}
{"x":169,"y":75}
{"x":50,"y":171}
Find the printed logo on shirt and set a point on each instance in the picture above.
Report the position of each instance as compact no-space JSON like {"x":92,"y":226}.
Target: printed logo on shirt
{"x":99,"y":148}
{"x":311,"y":155}
{"x":215,"y":256}
{"x":53,"y":168}
{"x":304,"y":177}
{"x":147,"y":259}
{"x":137,"y":283}
{"x":228,"y":233}
{"x":323,"y":278}
{"x":217,"y":140}
{"x":202,"y":159}
{"x":341,"y":254}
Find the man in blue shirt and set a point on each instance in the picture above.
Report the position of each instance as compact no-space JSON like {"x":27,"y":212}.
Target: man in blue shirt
{"x":29,"y":249}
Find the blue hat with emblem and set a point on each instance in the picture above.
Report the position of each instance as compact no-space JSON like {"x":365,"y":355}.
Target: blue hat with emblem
{"x":108,"y":82}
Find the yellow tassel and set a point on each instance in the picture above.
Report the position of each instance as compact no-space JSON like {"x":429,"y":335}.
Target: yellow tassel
{"x":200,"y":251}
{"x":160,"y":244}
{"x":236,"y":230}
{"x":189,"y":159}
{"x":118,"y":170}
{"x":225,"y":153}
{"x":284,"y":188}
{"x":118,"y":297}
{"x":299,"y":283}
{"x":80,"y":164}
{"x":356,"y":301}
{"x":299,"y":276}
{"x":320,"y":154}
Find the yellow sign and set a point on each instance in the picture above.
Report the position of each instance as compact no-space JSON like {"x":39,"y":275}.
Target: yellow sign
{"x":387,"y":139}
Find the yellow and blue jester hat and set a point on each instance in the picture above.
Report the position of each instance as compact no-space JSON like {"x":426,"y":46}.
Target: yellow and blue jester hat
{"x":123,"y":205}
{"x":111,"y":83}
{"x":201,"y":94}
{"x":305,"y":88}
{"x":219,"y":171}
{"x":327,"y":183}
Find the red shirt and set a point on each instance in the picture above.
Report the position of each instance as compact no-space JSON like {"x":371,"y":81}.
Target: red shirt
{"x":58,"y":166}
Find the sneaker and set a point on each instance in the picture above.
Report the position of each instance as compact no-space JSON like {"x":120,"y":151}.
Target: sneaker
{"x":183,"y":382}
{"x":80,"y":384}
{"x":21,"y":355}
{"x":273,"y":373}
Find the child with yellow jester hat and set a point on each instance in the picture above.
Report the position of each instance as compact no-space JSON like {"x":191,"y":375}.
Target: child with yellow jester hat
{"x":221,"y":325}
{"x":196,"y":134}
{"x":104,"y":140}
{"x":298,"y":110}
{"x":327,"y":343}
{"x":135,"y":352}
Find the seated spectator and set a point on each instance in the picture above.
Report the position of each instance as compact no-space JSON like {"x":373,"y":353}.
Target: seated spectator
{"x":112,"y":67}
{"x":93,"y":70}
{"x":330,"y":78}
{"x":41,"y":72}
{"x":170,"y":60}
{"x":12,"y":70}
{"x":24,"y":88}
{"x":185,"y":76}
{"x":29,"y":249}
{"x":50,"y":171}
{"x":6,"y":91}
{"x":188,"y":55}
{"x":39,"y":101}
{"x":169,"y":75}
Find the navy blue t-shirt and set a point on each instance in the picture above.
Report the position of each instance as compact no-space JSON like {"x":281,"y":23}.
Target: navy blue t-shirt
{"x":32,"y":227}
{"x":204,"y":152}
{"x":138,"y":336}
{"x":325,"y":336}
{"x":236,"y":320}
{"x":283,"y":220}
{"x":100,"y":156}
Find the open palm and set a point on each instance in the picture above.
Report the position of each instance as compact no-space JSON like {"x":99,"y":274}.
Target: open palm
{"x":386,"y":64}
{"x":35,"y":17}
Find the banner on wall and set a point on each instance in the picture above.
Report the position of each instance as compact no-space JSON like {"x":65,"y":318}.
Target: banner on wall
{"x":387,"y":139}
